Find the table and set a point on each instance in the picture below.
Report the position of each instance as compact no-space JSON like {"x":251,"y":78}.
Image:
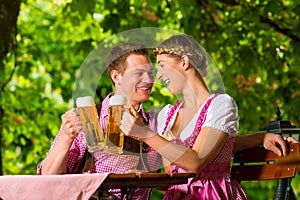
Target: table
{"x":82,"y":186}
{"x":50,"y":187}
{"x":125,"y":182}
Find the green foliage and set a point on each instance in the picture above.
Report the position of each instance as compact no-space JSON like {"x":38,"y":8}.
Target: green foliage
{"x":255,"y":44}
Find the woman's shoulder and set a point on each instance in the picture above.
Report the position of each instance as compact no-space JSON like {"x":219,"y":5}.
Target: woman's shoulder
{"x":224,"y":96}
{"x":169,"y":110}
{"x":222,"y":114}
{"x":223,"y":100}
{"x":162,"y":117}
{"x":163,"y":113}
{"x":222,"y":107}
{"x":165,"y":109}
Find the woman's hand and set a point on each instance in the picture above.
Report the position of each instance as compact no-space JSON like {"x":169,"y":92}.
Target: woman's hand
{"x":132,"y":125}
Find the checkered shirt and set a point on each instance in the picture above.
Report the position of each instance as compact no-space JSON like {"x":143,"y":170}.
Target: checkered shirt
{"x":106,"y":162}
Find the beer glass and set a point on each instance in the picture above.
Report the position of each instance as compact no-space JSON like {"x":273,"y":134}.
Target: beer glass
{"x":90,"y":121}
{"x":114,"y":137}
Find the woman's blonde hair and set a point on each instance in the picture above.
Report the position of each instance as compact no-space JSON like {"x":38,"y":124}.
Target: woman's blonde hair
{"x":180,"y":45}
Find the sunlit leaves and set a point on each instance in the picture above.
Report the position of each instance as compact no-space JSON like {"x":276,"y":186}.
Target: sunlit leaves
{"x":255,"y":43}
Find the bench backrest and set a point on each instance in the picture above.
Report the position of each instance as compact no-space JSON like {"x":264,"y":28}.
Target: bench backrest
{"x":259,"y":164}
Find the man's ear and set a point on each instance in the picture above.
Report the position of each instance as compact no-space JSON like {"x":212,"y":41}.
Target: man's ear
{"x":185,"y":62}
{"x":115,"y":76}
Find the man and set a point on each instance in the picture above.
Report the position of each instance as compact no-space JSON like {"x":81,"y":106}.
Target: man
{"x":131,"y":72}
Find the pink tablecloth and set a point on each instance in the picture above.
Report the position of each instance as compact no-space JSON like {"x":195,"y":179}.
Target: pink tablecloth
{"x":36,"y":187}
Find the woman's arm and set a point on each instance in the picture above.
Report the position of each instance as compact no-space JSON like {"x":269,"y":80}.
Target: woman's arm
{"x":208,"y":144}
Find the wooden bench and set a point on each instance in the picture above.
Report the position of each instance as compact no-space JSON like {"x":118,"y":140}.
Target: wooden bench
{"x":260,"y":164}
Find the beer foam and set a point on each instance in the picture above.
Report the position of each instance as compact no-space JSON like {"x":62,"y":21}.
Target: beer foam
{"x":117,"y":100}
{"x":85,"y":101}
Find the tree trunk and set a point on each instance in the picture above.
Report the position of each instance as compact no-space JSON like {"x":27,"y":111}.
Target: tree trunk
{"x":9,"y":11}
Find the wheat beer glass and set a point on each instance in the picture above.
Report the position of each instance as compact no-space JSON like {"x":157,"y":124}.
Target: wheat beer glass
{"x":90,"y":121}
{"x":114,"y":138}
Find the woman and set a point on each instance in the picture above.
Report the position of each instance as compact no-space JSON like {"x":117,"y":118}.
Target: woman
{"x":196,"y":134}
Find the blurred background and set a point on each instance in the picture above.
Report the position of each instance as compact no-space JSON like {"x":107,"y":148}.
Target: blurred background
{"x":255,"y":43}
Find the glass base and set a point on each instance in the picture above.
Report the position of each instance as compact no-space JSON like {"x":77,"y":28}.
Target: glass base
{"x":96,"y":147}
{"x":114,"y":149}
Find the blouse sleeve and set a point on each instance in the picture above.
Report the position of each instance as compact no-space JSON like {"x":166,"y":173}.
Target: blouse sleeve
{"x":222,"y":114}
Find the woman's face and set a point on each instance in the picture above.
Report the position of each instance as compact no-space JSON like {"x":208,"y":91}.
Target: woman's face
{"x":171,"y":72}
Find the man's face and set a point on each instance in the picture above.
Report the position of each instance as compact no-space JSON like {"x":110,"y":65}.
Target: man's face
{"x":137,"y":80}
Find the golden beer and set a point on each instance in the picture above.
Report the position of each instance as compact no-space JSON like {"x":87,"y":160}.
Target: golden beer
{"x":91,"y":125}
{"x":114,"y":138}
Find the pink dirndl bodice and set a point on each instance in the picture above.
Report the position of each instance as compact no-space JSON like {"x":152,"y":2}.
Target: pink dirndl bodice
{"x":213,"y":181}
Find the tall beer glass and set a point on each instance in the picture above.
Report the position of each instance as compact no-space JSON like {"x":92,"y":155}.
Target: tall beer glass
{"x":114,"y":138}
{"x":91,"y":125}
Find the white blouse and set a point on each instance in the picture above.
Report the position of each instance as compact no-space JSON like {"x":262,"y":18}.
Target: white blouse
{"x":222,"y":114}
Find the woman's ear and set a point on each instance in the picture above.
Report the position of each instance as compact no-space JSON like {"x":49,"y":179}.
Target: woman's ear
{"x":185,"y":62}
{"x":115,"y":76}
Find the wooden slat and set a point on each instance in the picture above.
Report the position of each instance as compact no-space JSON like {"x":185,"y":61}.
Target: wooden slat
{"x":260,"y":154}
{"x":262,"y":172}
{"x":288,"y":160}
{"x":254,"y":155}
{"x":260,"y":164}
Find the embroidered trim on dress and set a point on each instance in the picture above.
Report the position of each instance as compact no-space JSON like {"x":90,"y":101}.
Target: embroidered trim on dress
{"x":201,"y":119}
{"x":170,"y":115}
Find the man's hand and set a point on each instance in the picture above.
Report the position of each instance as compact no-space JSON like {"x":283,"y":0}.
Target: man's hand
{"x":71,"y":124}
{"x":277,"y":143}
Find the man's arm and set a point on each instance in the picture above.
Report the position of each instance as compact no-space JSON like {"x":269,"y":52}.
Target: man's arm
{"x":56,"y":160}
{"x":270,"y":141}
